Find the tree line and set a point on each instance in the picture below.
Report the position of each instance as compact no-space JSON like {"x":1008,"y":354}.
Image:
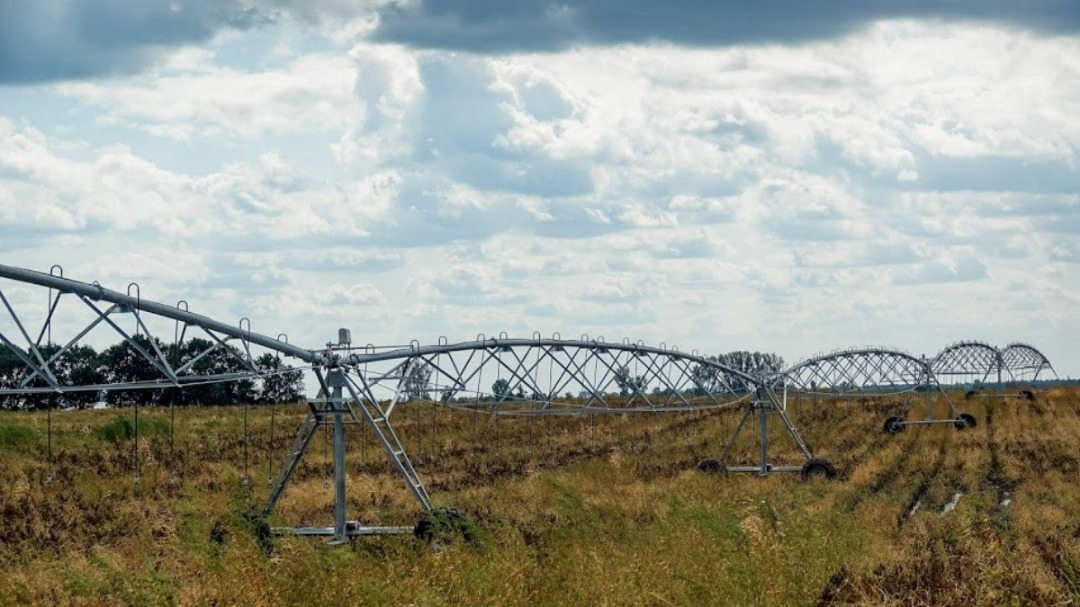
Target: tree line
{"x":82,"y":365}
{"x":755,"y":364}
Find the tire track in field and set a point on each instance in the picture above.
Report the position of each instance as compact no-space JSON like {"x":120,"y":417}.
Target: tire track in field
{"x":917,"y":496}
{"x":1002,"y":486}
{"x":885,"y":477}
{"x":853,"y":448}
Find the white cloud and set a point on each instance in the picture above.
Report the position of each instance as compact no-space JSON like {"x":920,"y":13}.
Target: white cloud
{"x":770,"y":197}
{"x":954,"y":268}
{"x":194,"y":99}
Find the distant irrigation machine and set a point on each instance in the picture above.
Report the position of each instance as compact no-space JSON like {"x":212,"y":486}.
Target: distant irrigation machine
{"x":977,"y":365}
{"x":873,"y":371}
{"x":535,"y":376}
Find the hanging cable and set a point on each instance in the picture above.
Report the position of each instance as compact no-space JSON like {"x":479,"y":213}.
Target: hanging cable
{"x":246,"y":482}
{"x":172,"y":442}
{"x":136,"y":441}
{"x":550,"y":396}
{"x":619,"y":430}
{"x":172,"y":404}
{"x":592,"y":417}
{"x":270,"y":447}
{"x":476,"y":410}
{"x":415,"y":404}
{"x":581,"y":422}
{"x":48,"y":416}
{"x":361,"y":432}
{"x":548,"y":451}
{"x":498,"y":453}
{"x":326,"y":442}
{"x":530,"y":422}
{"x":432,"y":447}
{"x":363,"y":427}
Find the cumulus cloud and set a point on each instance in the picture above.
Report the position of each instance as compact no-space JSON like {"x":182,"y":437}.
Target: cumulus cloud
{"x":116,"y":190}
{"x":961,"y":268}
{"x":200,"y":100}
{"x":786,"y":197}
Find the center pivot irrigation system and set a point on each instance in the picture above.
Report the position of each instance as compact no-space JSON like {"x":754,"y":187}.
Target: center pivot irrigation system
{"x":501,"y":375}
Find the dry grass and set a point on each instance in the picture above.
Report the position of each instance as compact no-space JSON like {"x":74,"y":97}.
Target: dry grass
{"x":605,"y":511}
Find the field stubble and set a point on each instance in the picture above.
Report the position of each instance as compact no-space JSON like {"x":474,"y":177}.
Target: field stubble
{"x":605,"y":510}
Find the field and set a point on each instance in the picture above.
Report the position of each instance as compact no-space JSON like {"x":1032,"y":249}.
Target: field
{"x":602,"y":510}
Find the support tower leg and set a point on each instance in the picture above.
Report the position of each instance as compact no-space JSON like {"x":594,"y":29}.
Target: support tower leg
{"x":336,"y":384}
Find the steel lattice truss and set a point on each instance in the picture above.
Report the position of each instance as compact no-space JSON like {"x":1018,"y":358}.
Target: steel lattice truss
{"x":46,"y":318}
{"x":862,"y":370}
{"x":504,"y":376}
{"x":549,"y":376}
{"x":535,"y":376}
{"x":969,"y":359}
{"x":875,"y":371}
{"x":974,"y":360}
{"x":1025,"y":362}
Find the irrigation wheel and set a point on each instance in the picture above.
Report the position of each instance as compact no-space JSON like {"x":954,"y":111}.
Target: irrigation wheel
{"x":893,"y":425}
{"x":817,"y":467}
{"x":440,"y":527}
{"x":711,"y":465}
{"x":965,"y":420}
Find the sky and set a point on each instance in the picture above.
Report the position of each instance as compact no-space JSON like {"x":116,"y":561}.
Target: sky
{"x":785,"y":176}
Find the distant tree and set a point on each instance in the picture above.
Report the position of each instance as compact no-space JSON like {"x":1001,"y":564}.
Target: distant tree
{"x":708,"y":378}
{"x":11,"y":371}
{"x":757,"y":364}
{"x":202,"y":358}
{"x":280,"y":384}
{"x":78,"y":366}
{"x":628,"y":383}
{"x":16,"y":374}
{"x":501,"y":389}
{"x":81,"y":365}
{"x":123,"y":363}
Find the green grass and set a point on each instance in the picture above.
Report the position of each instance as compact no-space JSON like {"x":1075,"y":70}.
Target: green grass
{"x":122,"y":428}
{"x":16,"y":435}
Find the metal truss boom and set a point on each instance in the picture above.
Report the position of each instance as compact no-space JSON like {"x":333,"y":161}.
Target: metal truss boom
{"x":500,"y":376}
{"x":95,"y":292}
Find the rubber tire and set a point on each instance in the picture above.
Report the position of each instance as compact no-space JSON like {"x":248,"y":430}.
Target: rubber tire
{"x":711,"y":465}
{"x":893,"y":425}
{"x":965,"y":420}
{"x":440,"y":527}
{"x":817,"y":467}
